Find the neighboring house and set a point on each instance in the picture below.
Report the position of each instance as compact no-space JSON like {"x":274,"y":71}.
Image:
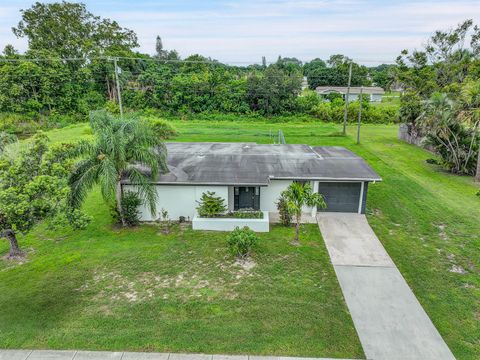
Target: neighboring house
{"x":376,"y":93}
{"x":252,"y":176}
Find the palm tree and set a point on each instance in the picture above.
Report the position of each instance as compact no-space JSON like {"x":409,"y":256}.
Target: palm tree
{"x":470,"y":102}
{"x":297,"y":196}
{"x":123,"y":149}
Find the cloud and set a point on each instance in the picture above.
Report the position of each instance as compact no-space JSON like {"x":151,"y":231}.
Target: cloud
{"x":246,"y":30}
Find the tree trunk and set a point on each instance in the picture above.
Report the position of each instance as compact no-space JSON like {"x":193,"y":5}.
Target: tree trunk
{"x":296,"y":241}
{"x":12,"y":239}
{"x":477,"y":176}
{"x":118,"y":199}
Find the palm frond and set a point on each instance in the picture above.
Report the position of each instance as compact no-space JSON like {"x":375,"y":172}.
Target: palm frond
{"x":81,"y":180}
{"x":146,"y":191}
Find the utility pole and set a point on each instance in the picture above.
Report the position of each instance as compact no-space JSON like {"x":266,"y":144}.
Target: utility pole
{"x":477,"y":175}
{"x":119,"y":94}
{"x":345,"y":115}
{"x":360,"y":115}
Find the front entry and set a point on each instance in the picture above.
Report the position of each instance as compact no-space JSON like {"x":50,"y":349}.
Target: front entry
{"x":246,"y":197}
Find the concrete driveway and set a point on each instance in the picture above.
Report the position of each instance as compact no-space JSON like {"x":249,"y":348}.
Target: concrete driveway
{"x":389,"y":320}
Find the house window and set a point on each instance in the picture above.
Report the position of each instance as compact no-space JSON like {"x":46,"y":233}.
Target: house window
{"x":246,"y":197}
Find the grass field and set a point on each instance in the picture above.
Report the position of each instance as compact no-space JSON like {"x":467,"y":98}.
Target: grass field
{"x":428,"y":221}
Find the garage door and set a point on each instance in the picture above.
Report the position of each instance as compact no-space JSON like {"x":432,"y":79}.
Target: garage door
{"x":341,"y":197}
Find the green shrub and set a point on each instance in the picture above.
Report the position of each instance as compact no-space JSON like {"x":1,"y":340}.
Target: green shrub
{"x":241,"y":241}
{"x":247,"y":214}
{"x":130,"y":208}
{"x":211,"y":205}
{"x":284,"y":214}
{"x":307,"y":101}
{"x":373,"y":114}
{"x":162,"y":128}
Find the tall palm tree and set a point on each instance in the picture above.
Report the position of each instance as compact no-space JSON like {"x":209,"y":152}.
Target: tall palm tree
{"x":123,"y":148}
{"x":470,"y":102}
{"x":297,"y":196}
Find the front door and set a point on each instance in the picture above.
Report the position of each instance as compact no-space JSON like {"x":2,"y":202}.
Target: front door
{"x":247,"y":197}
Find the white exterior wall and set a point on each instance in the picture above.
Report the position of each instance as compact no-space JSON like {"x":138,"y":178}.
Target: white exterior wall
{"x":376,"y":98}
{"x":179,"y":200}
{"x":269,"y":195}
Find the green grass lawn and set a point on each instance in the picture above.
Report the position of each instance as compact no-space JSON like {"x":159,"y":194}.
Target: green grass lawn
{"x":290,"y":303}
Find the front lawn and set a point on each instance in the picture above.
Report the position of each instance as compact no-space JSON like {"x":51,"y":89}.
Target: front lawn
{"x":144,"y":290}
{"x":427,"y":219}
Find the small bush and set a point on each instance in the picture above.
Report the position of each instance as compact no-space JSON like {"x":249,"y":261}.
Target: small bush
{"x":211,"y":205}
{"x":282,"y":207}
{"x":162,"y":128}
{"x":241,"y":241}
{"x":130,"y":204}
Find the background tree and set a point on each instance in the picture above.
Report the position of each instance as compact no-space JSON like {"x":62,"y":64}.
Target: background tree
{"x":77,"y":32}
{"x":297,"y":196}
{"x":123,"y":148}
{"x":334,"y":72}
{"x":33,"y":188}
{"x":274,"y":91}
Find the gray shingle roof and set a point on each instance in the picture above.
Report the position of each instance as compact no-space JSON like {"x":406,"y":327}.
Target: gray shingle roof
{"x":257,"y":164}
{"x":353,"y":90}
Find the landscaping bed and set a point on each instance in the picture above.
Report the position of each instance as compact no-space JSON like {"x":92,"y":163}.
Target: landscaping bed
{"x":226,"y":222}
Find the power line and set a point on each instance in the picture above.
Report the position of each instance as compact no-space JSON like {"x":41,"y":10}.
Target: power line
{"x":166,"y":61}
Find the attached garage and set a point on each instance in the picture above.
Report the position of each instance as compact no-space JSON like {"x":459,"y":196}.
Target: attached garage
{"x":344,"y":196}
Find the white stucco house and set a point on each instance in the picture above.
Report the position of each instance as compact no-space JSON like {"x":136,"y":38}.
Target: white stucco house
{"x":250,"y":175}
{"x":374,"y":92}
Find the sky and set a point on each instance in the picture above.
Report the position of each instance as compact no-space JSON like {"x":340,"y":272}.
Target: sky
{"x":240,"y":32}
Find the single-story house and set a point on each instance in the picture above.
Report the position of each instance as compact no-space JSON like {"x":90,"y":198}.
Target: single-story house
{"x":375,"y":92}
{"x":252,"y":176}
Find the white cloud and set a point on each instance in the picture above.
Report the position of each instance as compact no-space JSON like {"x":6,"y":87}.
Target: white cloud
{"x":246,"y":30}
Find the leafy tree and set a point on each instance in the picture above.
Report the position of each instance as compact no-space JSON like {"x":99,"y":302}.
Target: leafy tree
{"x":241,"y":241}
{"x":383,"y":75}
{"x":70,"y":30}
{"x":33,"y":187}
{"x":122,"y":149}
{"x":297,"y":196}
{"x":274,"y":91}
{"x":335,"y":72}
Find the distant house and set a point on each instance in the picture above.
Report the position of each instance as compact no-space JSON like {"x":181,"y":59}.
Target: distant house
{"x":376,"y":93}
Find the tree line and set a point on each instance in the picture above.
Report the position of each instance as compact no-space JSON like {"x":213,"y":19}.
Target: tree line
{"x":85,"y":79}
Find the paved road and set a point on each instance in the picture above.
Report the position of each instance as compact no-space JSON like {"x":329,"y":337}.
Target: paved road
{"x":105,"y":355}
{"x":390,"y":322}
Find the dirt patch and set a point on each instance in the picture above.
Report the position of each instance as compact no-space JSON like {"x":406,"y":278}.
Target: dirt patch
{"x":457,"y":269}
{"x":441,"y":231}
{"x":203,"y":280}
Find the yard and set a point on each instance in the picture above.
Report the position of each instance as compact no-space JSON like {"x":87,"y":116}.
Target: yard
{"x":140,"y":289}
